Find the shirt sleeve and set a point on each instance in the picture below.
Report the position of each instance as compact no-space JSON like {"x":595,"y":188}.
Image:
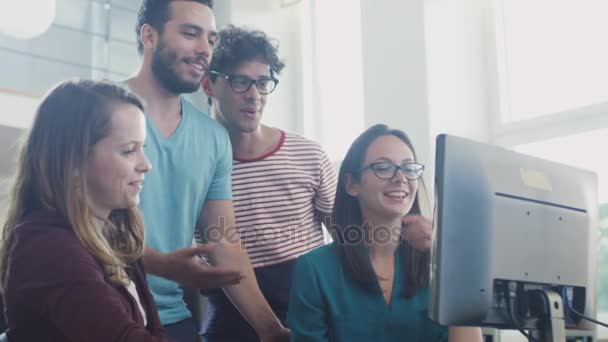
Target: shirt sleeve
{"x":221,"y":184}
{"x":306,"y":316}
{"x":325,"y":193}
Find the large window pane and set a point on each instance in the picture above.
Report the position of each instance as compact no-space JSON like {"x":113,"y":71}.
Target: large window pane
{"x":553,"y":56}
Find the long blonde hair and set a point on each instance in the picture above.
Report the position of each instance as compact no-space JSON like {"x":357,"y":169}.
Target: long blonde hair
{"x":70,"y":120}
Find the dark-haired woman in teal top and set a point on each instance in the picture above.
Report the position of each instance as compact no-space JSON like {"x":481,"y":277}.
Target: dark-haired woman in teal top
{"x":371,"y":284}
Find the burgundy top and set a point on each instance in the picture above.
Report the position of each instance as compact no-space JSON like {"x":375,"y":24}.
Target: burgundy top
{"x":55,"y":290}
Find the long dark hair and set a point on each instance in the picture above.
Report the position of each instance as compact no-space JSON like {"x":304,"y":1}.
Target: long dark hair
{"x":347,"y":221}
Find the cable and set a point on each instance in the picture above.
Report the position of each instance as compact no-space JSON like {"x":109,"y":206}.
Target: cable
{"x":569,"y":305}
{"x":588,"y":318}
{"x":511,"y":294}
{"x":511,"y":308}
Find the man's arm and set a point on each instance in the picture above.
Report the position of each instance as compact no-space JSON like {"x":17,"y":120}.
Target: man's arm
{"x":185,"y":267}
{"x":217,"y":216}
{"x":325,"y":193}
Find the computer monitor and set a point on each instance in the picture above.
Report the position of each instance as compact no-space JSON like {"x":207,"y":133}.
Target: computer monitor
{"x":506,"y":224}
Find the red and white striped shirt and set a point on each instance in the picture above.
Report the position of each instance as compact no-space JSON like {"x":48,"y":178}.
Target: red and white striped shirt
{"x":279,"y":197}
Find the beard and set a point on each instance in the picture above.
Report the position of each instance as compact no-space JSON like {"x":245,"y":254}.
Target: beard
{"x":164,"y":63}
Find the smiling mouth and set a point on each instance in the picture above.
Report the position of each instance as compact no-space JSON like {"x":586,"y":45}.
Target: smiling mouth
{"x":198,"y":66}
{"x":396,"y":194}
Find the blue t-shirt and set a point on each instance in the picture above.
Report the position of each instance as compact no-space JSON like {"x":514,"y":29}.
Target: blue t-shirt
{"x":189,"y":167}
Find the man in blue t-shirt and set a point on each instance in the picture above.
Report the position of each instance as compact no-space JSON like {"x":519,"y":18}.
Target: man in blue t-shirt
{"x":189,"y":184}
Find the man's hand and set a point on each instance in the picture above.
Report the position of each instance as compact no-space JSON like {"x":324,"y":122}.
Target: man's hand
{"x":185,"y":267}
{"x":417,"y":231}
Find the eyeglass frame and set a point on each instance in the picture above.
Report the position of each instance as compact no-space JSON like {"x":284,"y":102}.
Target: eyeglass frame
{"x":230,"y":78}
{"x":396,"y":167}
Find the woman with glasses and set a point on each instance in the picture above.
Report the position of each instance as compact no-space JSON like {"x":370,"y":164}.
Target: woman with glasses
{"x":70,"y":256}
{"x":371,"y":284}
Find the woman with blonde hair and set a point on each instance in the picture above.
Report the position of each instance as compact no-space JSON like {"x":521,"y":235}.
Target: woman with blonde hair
{"x":70,"y":256}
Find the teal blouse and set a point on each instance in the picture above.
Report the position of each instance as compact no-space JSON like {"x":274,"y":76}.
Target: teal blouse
{"x":326,"y":305}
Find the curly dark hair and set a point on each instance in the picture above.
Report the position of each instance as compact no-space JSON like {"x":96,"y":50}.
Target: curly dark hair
{"x":236,"y":45}
{"x":156,"y":13}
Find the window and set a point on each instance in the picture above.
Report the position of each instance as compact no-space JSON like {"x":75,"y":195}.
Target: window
{"x":553,"y":56}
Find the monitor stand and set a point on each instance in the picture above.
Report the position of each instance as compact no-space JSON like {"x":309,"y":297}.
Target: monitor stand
{"x":547,"y":305}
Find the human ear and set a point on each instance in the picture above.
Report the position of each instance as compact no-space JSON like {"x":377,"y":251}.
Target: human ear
{"x":207,"y":85}
{"x":351,"y":186}
{"x":148,"y":36}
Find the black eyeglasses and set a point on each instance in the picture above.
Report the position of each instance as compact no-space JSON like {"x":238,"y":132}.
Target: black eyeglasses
{"x":388,"y":170}
{"x":242,"y":84}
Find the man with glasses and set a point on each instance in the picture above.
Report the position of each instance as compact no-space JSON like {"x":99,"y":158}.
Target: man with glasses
{"x":283,"y":185}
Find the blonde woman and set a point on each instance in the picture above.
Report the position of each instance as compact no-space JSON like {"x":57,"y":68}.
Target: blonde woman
{"x":73,"y":238}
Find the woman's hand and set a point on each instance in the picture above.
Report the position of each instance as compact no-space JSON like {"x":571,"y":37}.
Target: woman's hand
{"x":417,"y":231}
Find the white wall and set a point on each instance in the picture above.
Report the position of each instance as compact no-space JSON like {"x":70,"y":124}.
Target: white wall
{"x":394,"y":68}
{"x":395,"y":71}
{"x":18,"y":109}
{"x":458,"y":34}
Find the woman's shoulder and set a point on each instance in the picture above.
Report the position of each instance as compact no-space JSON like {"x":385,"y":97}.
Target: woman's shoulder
{"x":45,"y":229}
{"x":322,"y":252}
{"x":46,"y":244}
{"x":320,"y":266}
{"x":324,"y":257}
